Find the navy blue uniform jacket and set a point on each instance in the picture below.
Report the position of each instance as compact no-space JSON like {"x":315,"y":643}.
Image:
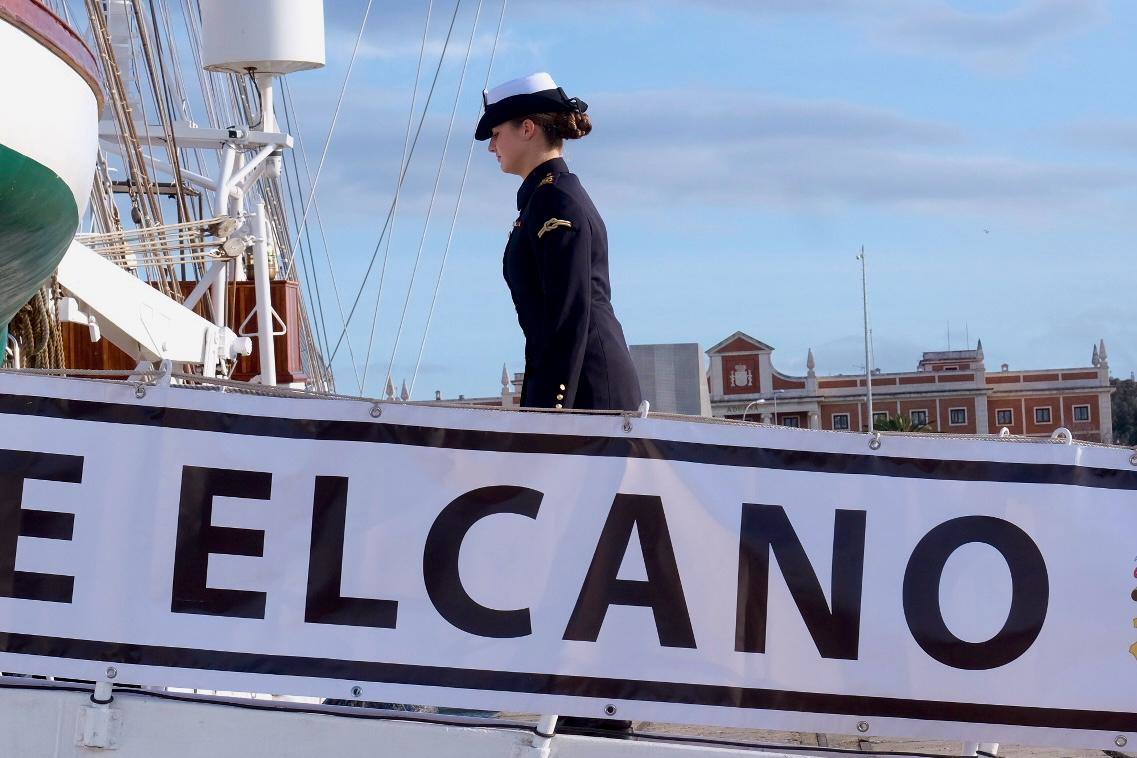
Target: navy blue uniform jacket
{"x":556,"y":266}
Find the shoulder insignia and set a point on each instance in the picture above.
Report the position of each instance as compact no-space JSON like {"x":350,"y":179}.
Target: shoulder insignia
{"x":551,"y":224}
{"x":547,"y":180}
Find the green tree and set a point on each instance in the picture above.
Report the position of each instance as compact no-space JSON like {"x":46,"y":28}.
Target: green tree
{"x":1124,"y":404}
{"x":899,"y":424}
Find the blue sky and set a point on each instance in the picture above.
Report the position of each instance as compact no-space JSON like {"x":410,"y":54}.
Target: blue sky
{"x":982,"y":152}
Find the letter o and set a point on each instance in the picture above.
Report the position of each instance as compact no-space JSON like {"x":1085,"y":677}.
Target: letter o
{"x":1030,"y":593}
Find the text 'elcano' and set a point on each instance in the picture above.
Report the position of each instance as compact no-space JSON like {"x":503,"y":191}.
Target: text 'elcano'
{"x":765,"y":531}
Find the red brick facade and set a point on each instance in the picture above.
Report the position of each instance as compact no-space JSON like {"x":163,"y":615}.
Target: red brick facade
{"x":950,"y":392}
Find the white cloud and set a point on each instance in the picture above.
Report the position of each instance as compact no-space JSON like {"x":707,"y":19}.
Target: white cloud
{"x":717,"y":117}
{"x":726,"y":148}
{"x":731,"y":148}
{"x":1104,"y":134}
{"x":986,"y":38}
{"x":939,"y":25}
{"x":1021,"y":29}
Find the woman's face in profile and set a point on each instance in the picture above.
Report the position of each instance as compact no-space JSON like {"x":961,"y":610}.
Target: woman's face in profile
{"x":509,"y":144}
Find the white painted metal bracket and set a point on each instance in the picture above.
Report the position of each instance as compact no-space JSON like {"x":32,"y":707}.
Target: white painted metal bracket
{"x":99,"y":725}
{"x":139,"y":319}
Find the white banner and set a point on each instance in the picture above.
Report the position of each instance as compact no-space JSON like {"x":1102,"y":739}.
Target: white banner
{"x":651,"y":569}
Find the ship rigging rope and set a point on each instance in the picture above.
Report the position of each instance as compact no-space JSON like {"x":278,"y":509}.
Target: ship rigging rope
{"x":457,"y":205}
{"x":403,"y":160}
{"x":165,"y":245}
{"x":402,"y":177}
{"x":37,"y":332}
{"x":290,"y":190}
{"x":434,"y":190}
{"x":332,"y":126}
{"x":294,"y":127}
{"x":271,"y":194}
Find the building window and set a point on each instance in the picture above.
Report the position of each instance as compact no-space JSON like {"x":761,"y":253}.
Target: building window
{"x":793,"y":421}
{"x":1081,"y":413}
{"x":841,"y":421}
{"x":919,"y":418}
{"x":879,"y":417}
{"x":957,"y":416}
{"x":951,"y":368}
{"x":1004,"y":417}
{"x":1042,"y":415}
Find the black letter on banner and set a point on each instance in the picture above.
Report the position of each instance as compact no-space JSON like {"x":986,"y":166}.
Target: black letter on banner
{"x":766,"y":528}
{"x":663,"y":590}
{"x":1030,"y":593}
{"x":440,"y":560}
{"x":198,"y":537}
{"x":16,"y":522}
{"x":324,"y":604}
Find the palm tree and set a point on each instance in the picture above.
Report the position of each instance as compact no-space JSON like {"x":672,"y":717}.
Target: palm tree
{"x":899,"y":424}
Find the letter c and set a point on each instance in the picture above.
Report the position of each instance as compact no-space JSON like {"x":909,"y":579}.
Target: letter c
{"x":440,"y":560}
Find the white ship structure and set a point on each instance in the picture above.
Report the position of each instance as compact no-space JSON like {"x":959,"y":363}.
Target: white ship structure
{"x":205,"y":549}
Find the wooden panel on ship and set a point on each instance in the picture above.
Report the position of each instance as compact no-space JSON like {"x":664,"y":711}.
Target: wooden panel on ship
{"x":285,"y":297}
{"x":80,"y":353}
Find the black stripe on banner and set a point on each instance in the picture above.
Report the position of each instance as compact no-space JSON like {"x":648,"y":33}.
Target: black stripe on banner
{"x":746,"y":698}
{"x":564,"y":444}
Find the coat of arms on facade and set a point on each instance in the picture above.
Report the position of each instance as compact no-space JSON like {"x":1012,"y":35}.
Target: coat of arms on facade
{"x":741,"y":376}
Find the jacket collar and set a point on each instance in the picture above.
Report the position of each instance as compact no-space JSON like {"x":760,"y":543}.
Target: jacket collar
{"x":529,"y":186}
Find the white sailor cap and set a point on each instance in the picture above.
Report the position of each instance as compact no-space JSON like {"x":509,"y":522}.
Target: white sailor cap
{"x":536,"y":93}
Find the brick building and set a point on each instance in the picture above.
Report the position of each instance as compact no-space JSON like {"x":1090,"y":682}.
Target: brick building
{"x":950,"y":391}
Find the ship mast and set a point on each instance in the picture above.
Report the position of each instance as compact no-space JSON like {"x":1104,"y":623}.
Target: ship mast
{"x":228,"y":255}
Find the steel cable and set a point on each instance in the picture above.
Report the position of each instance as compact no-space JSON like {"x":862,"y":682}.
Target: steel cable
{"x":403,"y":160}
{"x":294,"y":123}
{"x":391,"y":208}
{"x":457,"y":205}
{"x":332,"y":126}
{"x":434,"y":190}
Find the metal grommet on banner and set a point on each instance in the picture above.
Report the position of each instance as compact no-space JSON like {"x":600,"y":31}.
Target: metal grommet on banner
{"x":1120,"y":741}
{"x":862,"y":726}
{"x":140,"y":391}
{"x":112,"y":672}
{"x":627,"y":423}
{"x":376,"y":411}
{"x":356,"y":691}
{"x":874,"y":443}
{"x":1133,"y":459}
{"x":609,"y":710}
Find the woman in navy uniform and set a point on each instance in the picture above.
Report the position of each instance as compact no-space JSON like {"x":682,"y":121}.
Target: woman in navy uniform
{"x":556,"y":260}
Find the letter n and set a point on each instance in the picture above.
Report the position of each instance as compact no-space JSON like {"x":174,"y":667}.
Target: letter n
{"x":766,"y":529}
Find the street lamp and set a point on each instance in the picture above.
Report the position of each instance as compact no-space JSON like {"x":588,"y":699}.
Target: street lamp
{"x":751,"y":404}
{"x":763,"y":401}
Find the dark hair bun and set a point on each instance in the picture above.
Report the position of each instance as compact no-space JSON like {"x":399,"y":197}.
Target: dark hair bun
{"x":573,"y":124}
{"x":559,"y":126}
